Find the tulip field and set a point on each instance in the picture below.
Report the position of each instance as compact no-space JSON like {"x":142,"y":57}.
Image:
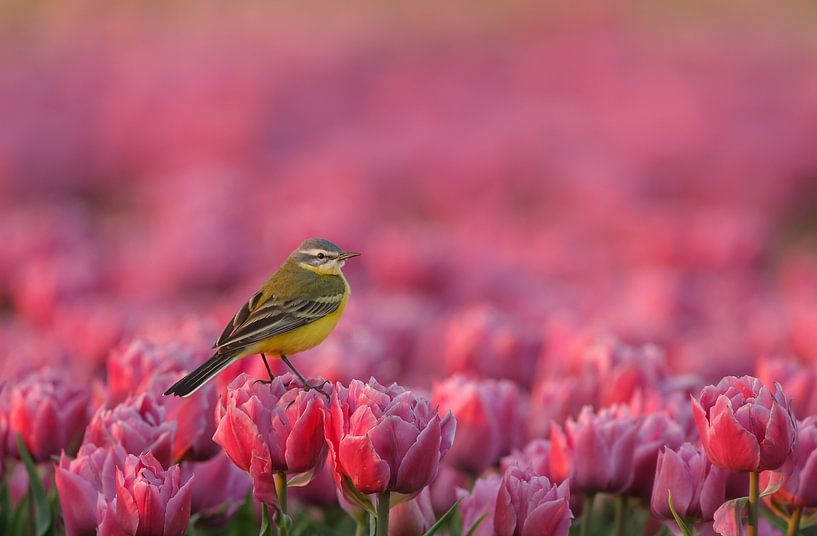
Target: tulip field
{"x":586,"y":302}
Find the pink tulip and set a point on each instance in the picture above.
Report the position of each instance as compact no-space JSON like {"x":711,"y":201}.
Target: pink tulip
{"x":596,"y":451}
{"x":480,"y":502}
{"x":743,"y":425}
{"x":151,"y":501}
{"x":132,"y":367}
{"x":385,"y":438}
{"x":622,"y":371}
{"x":656,"y":431}
{"x":698,"y":488}
{"x":799,"y":473}
{"x":798,"y":380}
{"x":267,"y":428}
{"x":529,"y":505}
{"x":490,"y":419}
{"x":87,"y":485}
{"x":413,"y":517}
{"x":47,"y":410}
{"x":219,"y":489}
{"x":138,"y":424}
{"x":444,"y":487}
{"x":556,"y":399}
{"x":535,"y":457}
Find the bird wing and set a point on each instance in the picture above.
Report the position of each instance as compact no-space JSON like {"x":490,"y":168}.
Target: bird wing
{"x":261,"y":319}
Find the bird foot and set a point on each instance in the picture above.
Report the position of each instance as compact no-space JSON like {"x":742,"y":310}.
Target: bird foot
{"x":265,"y":382}
{"x":318,"y":388}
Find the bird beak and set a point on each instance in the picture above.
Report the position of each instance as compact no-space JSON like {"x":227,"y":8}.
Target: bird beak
{"x":347,"y":255}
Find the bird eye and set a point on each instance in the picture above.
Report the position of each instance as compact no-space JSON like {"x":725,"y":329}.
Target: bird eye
{"x":321,"y":256}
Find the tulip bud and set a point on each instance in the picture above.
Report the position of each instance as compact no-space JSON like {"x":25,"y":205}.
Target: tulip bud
{"x":698,"y":488}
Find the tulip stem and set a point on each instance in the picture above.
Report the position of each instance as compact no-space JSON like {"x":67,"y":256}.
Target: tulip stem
{"x":620,"y":504}
{"x":584,"y":530}
{"x":281,"y":491}
{"x":754,"y":493}
{"x":794,"y":522}
{"x":383,"y":514}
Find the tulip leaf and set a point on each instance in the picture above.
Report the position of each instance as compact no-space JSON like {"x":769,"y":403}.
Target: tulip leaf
{"x":42,"y":509}
{"x":5,"y":508}
{"x":266,"y":529}
{"x":476,"y":525}
{"x":681,"y":525}
{"x":443,"y":519}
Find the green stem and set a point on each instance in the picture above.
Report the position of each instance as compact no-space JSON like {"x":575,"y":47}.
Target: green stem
{"x":584,"y":529}
{"x":281,"y":490}
{"x":794,"y":521}
{"x":361,"y":529}
{"x":754,"y":493}
{"x":620,"y":505}
{"x":383,"y":514}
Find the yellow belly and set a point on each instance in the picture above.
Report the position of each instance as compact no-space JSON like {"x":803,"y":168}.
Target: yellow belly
{"x":299,"y":339}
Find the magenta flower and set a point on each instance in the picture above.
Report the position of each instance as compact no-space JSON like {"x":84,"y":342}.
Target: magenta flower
{"x":595,"y":451}
{"x":798,"y":380}
{"x":87,"y":485}
{"x":138,"y":425}
{"x":385,"y":438}
{"x":535,"y":457}
{"x":698,"y":488}
{"x":47,"y":410}
{"x":267,"y":428}
{"x":743,"y":425}
{"x":490,"y":416}
{"x":413,"y":517}
{"x":799,"y":473}
{"x":151,"y":501}
{"x":528,"y":505}
{"x":220,"y":488}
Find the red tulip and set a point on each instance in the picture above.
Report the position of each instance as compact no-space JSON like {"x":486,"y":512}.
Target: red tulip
{"x":87,"y":485}
{"x":479,"y":502}
{"x":266,"y":428}
{"x":490,"y":417}
{"x":385,"y":438}
{"x":743,"y":425}
{"x":529,"y":505}
{"x":47,"y":410}
{"x":138,"y":424}
{"x":413,"y":517}
{"x":799,"y":473}
{"x":151,"y":501}
{"x":698,"y":488}
{"x":595,"y":451}
{"x":655,"y":431}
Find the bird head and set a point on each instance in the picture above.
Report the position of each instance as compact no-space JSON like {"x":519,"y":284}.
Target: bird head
{"x":321,"y":256}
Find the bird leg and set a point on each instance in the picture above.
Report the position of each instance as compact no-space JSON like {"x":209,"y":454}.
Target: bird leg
{"x":269,"y":371}
{"x":307,"y":386}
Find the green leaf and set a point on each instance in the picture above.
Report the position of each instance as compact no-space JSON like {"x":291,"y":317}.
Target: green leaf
{"x":42,"y":509}
{"x":5,"y":508}
{"x":443,"y":519}
{"x":20,"y":517}
{"x":680,"y":522}
{"x":480,"y":519}
{"x":266,"y":528}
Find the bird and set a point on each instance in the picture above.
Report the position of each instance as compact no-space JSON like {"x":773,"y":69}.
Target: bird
{"x":293,"y":311}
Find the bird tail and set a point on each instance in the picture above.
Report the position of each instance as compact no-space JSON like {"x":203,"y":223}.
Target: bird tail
{"x":204,"y":373}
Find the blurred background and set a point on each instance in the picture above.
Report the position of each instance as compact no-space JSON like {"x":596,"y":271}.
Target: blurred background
{"x":519,"y":177}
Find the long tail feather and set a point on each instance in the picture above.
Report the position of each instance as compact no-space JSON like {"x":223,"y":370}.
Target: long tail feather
{"x":193,"y":381}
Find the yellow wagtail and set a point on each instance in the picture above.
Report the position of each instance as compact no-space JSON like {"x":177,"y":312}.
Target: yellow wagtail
{"x":293,"y":311}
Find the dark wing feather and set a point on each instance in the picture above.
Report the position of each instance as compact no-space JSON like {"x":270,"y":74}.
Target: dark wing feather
{"x":239,"y":318}
{"x":274,"y":317}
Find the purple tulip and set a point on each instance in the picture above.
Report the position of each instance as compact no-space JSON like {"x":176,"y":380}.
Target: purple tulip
{"x":798,"y":486}
{"x":655,"y":431}
{"x":480,"y":502}
{"x":698,"y":488}
{"x":529,"y":505}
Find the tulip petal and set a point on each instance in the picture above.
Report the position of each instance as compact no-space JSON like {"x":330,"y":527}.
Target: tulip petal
{"x":78,"y":500}
{"x":730,"y":445}
{"x":305,"y":445}
{"x":550,"y":517}
{"x":778,"y":438}
{"x":361,"y":463}
{"x":420,"y":463}
{"x":237,"y":434}
{"x":177,"y":511}
{"x":504,"y":514}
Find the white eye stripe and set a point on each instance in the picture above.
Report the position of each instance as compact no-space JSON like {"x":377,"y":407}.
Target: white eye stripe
{"x":316,"y":252}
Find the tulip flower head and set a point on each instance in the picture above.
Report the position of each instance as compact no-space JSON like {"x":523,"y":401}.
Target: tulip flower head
{"x":385,"y":438}
{"x":799,"y":473}
{"x":527,"y":505}
{"x":745,"y":426}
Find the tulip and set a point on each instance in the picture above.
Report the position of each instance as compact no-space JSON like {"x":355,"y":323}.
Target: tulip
{"x":656,"y":431}
{"x":151,"y":501}
{"x":697,"y":487}
{"x":621,"y":370}
{"x":490,"y":420}
{"x":138,"y":424}
{"x":556,"y":399}
{"x":47,"y":410}
{"x":271,"y":429}
{"x":798,"y":380}
{"x":383,"y":440}
{"x":220,"y":488}
{"x":443,"y":488}
{"x":87,"y":485}
{"x":798,"y":475}
{"x":529,"y":505}
{"x":596,"y":450}
{"x":745,"y":426}
{"x":412,"y":518}
{"x":480,"y":503}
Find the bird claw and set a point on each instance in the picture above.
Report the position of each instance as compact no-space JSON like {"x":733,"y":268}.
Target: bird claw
{"x":319,"y":388}
{"x":265,"y":382}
